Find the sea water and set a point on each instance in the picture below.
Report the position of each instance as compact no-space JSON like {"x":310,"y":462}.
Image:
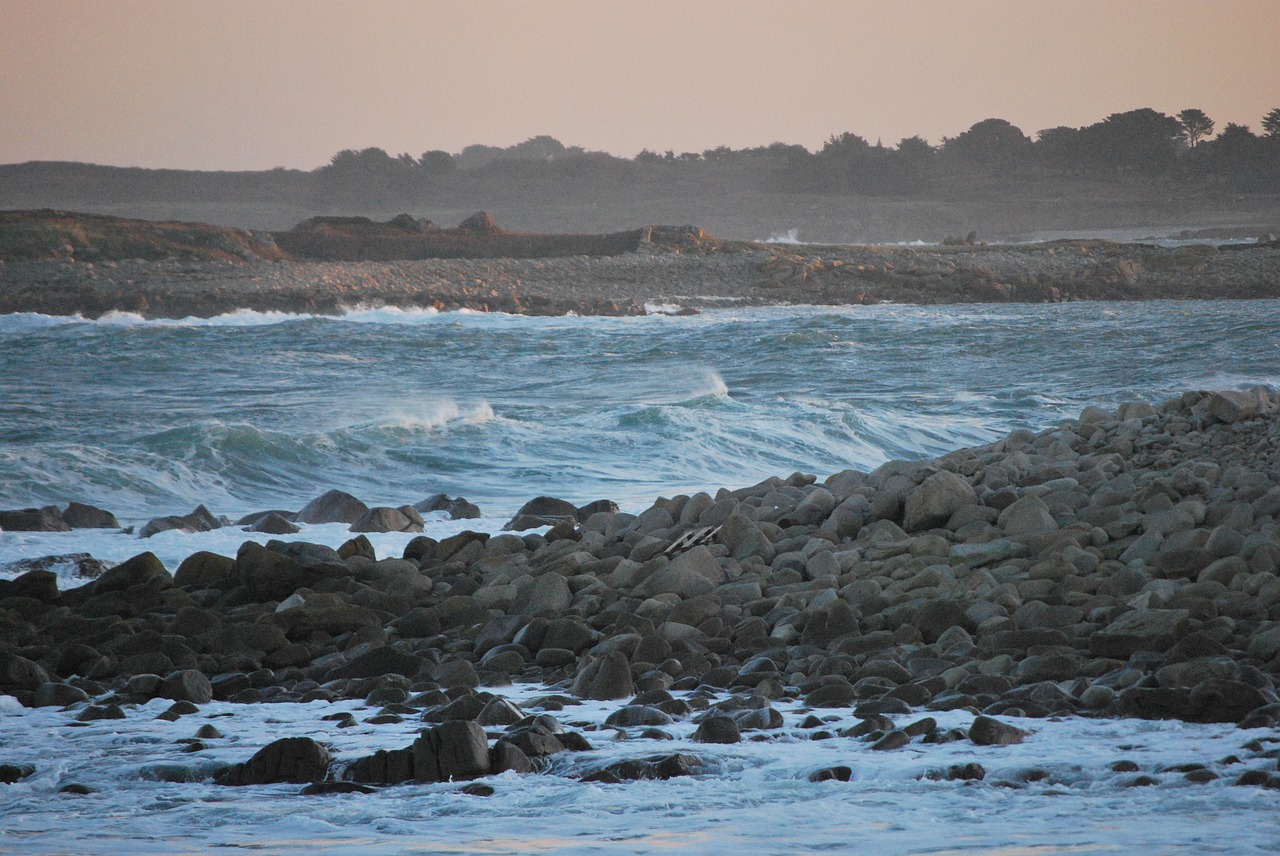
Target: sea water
{"x":254,"y":411}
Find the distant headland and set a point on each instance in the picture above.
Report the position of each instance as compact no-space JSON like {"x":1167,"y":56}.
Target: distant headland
{"x":65,"y":263}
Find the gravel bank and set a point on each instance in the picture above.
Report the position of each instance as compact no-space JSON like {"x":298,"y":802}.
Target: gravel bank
{"x":624,"y":284}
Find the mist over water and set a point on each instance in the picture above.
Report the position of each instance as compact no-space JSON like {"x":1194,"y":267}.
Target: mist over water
{"x":252,"y":411}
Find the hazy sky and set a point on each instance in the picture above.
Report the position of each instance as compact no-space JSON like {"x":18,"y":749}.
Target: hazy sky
{"x":250,"y":84}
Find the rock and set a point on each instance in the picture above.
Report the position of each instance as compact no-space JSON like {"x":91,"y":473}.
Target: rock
{"x":80,"y":516}
{"x":10,"y":773}
{"x":932,"y":503}
{"x":37,"y":584}
{"x":637,"y":715}
{"x":384,"y":519}
{"x":986,"y":731}
{"x":654,"y":767}
{"x":323,"y":789}
{"x":717,"y":729}
{"x":207,"y":570}
{"x":187,"y":685}
{"x":457,"y":508}
{"x":379,"y":661}
{"x":332,"y":507}
{"x":200,"y":520}
{"x":98,"y":712}
{"x":547,"y":595}
{"x":451,"y":751}
{"x":143,"y":570}
{"x":1140,"y":630}
{"x":936,"y":617}
{"x":605,"y":678}
{"x":47,"y":519}
{"x":268,"y":574}
{"x":599,"y":506}
{"x":1026,"y":516}
{"x":692,"y":573}
{"x":895,"y":739}
{"x":838,"y":773}
{"x":1230,"y":406}
{"x":57,"y":694}
{"x":299,"y":760}
{"x":273,"y":523}
{"x":541,"y":511}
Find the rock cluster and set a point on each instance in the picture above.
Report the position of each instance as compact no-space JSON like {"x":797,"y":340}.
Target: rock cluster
{"x":1124,"y":564}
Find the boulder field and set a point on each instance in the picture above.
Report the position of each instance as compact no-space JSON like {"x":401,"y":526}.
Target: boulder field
{"x":1123,"y":564}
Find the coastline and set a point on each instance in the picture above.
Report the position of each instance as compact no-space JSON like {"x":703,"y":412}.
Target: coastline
{"x":679,"y":267}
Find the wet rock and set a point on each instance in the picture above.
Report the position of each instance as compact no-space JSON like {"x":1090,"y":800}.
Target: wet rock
{"x":47,"y":519}
{"x":839,"y":773}
{"x":986,"y":731}
{"x":80,"y":516}
{"x":324,"y":789}
{"x":273,"y":523}
{"x":653,"y":767}
{"x":451,"y":751}
{"x":604,"y":678}
{"x":541,"y":511}
{"x":299,"y":760}
{"x":57,"y":694}
{"x":379,"y":661}
{"x":384,"y":519}
{"x":97,"y":712}
{"x":457,"y":508}
{"x":10,"y":773}
{"x":187,"y":685}
{"x":334,"y":506}
{"x":717,"y":729}
{"x":199,"y":520}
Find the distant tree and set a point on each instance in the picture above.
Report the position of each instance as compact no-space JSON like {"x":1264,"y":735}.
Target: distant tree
{"x":1271,"y":123}
{"x":844,"y":147}
{"x":1142,"y":140}
{"x":647,"y":156}
{"x":1196,"y":125}
{"x":437,"y":162}
{"x":988,"y":143}
{"x":916,"y":149}
{"x":1061,"y":148}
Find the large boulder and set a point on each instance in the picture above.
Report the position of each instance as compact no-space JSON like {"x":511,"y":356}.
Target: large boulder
{"x":299,"y":760}
{"x":207,"y":570}
{"x":542,"y":511}
{"x":80,"y":516}
{"x":47,"y":519}
{"x":1140,"y":630}
{"x":332,"y":507}
{"x":935,"y":499}
{"x":273,"y":575}
{"x":450,"y":752}
{"x":605,"y":678}
{"x":694,"y":572}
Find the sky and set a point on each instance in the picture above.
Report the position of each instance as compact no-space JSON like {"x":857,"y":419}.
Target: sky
{"x":257,"y":84}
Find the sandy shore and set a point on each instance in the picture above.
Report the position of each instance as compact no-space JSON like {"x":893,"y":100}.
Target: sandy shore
{"x":745,"y":273}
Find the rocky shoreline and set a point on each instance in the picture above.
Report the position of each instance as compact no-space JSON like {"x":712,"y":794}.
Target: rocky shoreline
{"x":676,"y":268}
{"x":1124,"y":564}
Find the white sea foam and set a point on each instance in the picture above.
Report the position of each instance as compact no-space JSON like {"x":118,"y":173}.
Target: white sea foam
{"x":753,"y":797}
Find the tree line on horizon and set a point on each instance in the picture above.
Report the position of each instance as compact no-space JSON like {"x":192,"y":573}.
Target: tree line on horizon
{"x":1141,"y":145}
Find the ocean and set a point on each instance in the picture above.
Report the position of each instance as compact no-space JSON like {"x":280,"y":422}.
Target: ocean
{"x":253,"y":411}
